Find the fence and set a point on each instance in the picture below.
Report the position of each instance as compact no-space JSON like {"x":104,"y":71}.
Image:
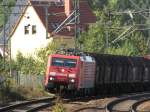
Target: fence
{"x":33,"y":81}
{"x":28,"y":80}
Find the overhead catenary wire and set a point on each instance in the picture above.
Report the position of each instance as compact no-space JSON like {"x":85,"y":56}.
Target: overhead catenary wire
{"x":127,"y":34}
{"x":136,"y":6}
{"x":122,"y":34}
{"x":39,"y":5}
{"x":146,"y":11}
{"x":58,"y":14}
{"x":112,"y":12}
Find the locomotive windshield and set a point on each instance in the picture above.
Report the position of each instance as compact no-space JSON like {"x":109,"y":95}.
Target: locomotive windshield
{"x":62,"y":62}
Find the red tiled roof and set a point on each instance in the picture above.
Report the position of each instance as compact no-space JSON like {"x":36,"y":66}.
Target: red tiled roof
{"x":86,"y":16}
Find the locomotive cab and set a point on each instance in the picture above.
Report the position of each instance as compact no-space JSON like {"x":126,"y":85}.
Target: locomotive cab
{"x":62,"y":72}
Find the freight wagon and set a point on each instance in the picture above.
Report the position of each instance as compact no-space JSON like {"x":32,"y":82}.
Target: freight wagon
{"x":116,"y":74}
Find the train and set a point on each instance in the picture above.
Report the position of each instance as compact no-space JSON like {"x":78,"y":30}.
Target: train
{"x":90,"y":73}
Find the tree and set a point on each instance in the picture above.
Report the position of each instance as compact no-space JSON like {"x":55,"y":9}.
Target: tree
{"x":42,"y":56}
{"x":111,"y":25}
{"x":10,"y":3}
{"x":34,"y":65}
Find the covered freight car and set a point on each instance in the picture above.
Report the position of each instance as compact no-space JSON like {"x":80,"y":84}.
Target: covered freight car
{"x":115,"y":74}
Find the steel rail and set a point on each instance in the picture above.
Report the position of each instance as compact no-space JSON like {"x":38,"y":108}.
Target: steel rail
{"x":135,"y":105}
{"x":14,"y":106}
{"x":40,"y":107}
{"x":88,"y":108}
{"x":109,"y":106}
{"x":65,"y":100}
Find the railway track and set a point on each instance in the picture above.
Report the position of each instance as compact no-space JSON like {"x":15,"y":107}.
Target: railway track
{"x":29,"y":106}
{"x":35,"y":105}
{"x":138,"y":103}
{"x":128,"y":103}
{"x":89,"y":109}
{"x":86,"y":107}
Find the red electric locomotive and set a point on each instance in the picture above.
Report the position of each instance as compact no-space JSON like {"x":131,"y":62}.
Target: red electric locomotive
{"x":70,"y":72}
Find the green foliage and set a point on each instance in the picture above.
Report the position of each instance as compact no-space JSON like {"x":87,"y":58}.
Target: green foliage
{"x":126,"y":49}
{"x":111,"y":26}
{"x":5,"y":88}
{"x":42,"y":56}
{"x":59,"y":106}
{"x":4,"y":66}
{"x":27,"y":65}
{"x":93,"y":39}
{"x":10,"y":3}
{"x":34,"y":65}
{"x":1,"y":65}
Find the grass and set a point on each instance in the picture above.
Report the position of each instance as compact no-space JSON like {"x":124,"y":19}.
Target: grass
{"x":30,"y":92}
{"x":59,"y":106}
{"x":12,"y":92}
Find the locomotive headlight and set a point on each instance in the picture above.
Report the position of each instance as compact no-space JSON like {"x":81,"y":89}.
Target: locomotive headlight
{"x":72,"y":80}
{"x":52,"y":73}
{"x":51,"y":78}
{"x":62,"y":70}
{"x":72,"y":75}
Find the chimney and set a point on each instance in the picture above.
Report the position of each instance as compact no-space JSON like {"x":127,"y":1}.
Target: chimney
{"x":68,"y":7}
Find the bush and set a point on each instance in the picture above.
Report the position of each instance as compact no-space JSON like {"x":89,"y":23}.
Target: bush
{"x":26,"y":66}
{"x":59,"y":106}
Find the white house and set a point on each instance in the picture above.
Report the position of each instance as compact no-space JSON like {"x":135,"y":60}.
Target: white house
{"x":29,"y":32}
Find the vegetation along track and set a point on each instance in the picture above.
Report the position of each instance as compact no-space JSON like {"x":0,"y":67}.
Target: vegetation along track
{"x":36,"y":105}
{"x":126,"y":103}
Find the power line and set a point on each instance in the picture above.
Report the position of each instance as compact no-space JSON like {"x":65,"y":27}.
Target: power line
{"x":113,"y":13}
{"x":123,"y":33}
{"x":136,"y":6}
{"x":145,"y":11}
{"x":127,"y":34}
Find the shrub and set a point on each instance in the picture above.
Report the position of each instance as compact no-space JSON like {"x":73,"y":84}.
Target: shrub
{"x":59,"y":106}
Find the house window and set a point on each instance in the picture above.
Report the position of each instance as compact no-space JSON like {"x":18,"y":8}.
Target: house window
{"x":33,"y":29}
{"x":26,"y":30}
{"x":62,"y":2}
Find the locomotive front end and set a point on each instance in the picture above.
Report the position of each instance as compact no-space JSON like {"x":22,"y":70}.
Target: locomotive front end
{"x":62,"y":72}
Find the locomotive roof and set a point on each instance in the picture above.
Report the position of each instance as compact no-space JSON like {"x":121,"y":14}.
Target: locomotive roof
{"x":118,"y":59}
{"x":87,"y":58}
{"x":64,"y":56}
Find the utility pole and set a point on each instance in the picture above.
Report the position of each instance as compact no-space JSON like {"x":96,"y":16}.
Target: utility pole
{"x":107,"y":30}
{"x":77,"y":22}
{"x":9,"y":50}
{"x":73,"y":17}
{"x":4,"y":33}
{"x":107,"y":36}
{"x":46,"y":20}
{"x":6,"y":41}
{"x":148,"y":40}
